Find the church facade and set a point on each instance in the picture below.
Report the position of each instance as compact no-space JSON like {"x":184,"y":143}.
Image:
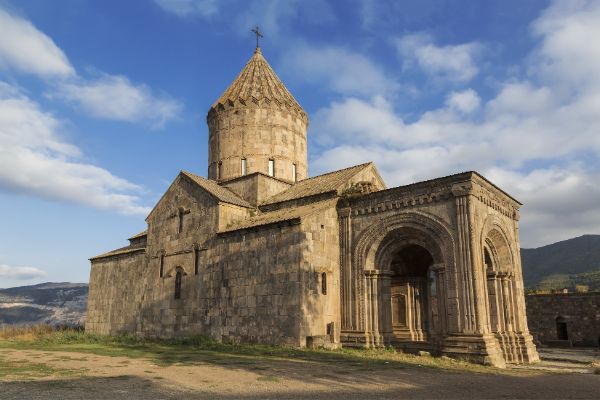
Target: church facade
{"x":261,"y":253}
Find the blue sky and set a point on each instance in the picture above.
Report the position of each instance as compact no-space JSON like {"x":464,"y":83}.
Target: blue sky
{"x":103,"y":102}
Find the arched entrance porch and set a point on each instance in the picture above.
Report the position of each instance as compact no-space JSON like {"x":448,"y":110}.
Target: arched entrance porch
{"x":413,"y":306}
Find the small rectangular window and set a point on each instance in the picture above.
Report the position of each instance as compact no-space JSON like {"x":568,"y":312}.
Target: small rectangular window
{"x":294,"y":172}
{"x":244,"y":166}
{"x":271,"y":167}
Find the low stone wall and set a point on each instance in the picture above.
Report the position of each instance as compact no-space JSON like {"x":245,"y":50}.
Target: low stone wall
{"x":574,"y":316}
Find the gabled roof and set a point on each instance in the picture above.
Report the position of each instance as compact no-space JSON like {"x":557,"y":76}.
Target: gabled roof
{"x":329,"y":182}
{"x":219,"y":192}
{"x":139,"y":235}
{"x":258,"y":83}
{"x":282,"y":215}
{"x":119,"y":252}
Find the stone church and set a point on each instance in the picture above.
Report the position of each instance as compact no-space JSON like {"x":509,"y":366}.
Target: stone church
{"x":259,"y":252}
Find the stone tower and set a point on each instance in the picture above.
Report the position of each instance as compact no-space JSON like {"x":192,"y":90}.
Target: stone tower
{"x":257,"y":126}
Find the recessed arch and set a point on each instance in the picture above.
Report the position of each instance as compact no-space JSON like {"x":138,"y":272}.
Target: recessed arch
{"x":416,"y":228}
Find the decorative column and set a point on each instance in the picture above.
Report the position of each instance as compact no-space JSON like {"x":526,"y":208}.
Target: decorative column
{"x":528,"y":352}
{"x":373,"y":307}
{"x":348,"y":299}
{"x":472,"y":341}
{"x":465,"y":265}
{"x":385,"y":290}
{"x":440,"y":285}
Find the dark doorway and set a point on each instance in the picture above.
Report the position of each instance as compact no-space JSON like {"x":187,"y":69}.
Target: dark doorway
{"x":561,"y":329}
{"x":410,"y":293}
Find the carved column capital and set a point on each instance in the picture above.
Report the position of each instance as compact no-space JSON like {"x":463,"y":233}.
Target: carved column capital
{"x":438,"y":268}
{"x":516,"y":215}
{"x":344,"y":212}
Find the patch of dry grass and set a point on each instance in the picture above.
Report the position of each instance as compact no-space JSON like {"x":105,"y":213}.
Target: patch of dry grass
{"x":25,"y":333}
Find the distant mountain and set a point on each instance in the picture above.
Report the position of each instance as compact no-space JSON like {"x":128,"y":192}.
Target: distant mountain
{"x":563,"y":264}
{"x":52,"y":303}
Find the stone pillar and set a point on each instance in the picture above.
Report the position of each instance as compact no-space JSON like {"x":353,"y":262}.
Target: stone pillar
{"x":440,"y":281}
{"x":385,"y":290}
{"x":462,"y":195}
{"x":473,"y":341}
{"x":373,"y":309}
{"x":528,"y":352}
{"x":348,"y":295}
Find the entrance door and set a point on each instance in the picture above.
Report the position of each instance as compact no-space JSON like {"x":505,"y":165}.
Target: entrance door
{"x":410,"y":293}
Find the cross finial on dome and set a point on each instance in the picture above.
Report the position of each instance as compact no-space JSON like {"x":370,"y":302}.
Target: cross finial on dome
{"x":258,"y":34}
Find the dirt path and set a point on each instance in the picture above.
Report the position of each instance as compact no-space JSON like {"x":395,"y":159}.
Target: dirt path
{"x":84,"y":375}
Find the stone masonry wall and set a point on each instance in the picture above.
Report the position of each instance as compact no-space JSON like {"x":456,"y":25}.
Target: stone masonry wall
{"x":252,"y":286}
{"x":115,"y":294}
{"x":256,"y":134}
{"x":580,"y":311}
{"x":321,"y":255}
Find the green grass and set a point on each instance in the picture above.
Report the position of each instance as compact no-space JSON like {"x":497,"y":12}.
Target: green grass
{"x":23,"y":370}
{"x":267,"y":378}
{"x":199,"y":350}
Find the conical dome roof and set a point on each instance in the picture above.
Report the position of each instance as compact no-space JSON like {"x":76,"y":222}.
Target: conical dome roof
{"x":258,"y":84}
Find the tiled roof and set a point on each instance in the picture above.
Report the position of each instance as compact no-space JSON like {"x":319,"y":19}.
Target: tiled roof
{"x":257,"y":83}
{"x":286,"y":214}
{"x":329,"y":182}
{"x":120,"y":251}
{"x":221,"y":193}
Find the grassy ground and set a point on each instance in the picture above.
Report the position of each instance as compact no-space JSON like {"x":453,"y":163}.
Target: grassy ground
{"x":200,"y":350}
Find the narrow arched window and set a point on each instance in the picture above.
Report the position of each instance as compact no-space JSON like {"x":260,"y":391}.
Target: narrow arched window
{"x":244,"y":166}
{"x":324,"y":283}
{"x":219,"y":170}
{"x":294,"y":176}
{"x":162,"y":265}
{"x":178,"y":276}
{"x":181,"y":215}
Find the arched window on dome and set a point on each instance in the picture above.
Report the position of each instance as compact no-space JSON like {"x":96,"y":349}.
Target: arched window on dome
{"x":271,"y":167}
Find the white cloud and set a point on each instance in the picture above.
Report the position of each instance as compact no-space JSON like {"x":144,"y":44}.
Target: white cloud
{"x":454,"y":63}
{"x":20,"y":273}
{"x":466,"y":101}
{"x":184,"y":8}
{"x":26,"y":49}
{"x":341,"y":70}
{"x":115,"y":97}
{"x":35,"y":160}
{"x":537,"y":137}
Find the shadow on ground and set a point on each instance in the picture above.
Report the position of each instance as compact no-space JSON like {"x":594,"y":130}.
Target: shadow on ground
{"x":415,"y":385}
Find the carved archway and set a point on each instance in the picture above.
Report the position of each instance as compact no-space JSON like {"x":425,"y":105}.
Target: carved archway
{"x":499,"y":264}
{"x":376,"y":251}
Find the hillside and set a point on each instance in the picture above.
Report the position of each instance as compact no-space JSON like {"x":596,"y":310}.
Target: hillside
{"x":563,"y":264}
{"x":51,"y":303}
